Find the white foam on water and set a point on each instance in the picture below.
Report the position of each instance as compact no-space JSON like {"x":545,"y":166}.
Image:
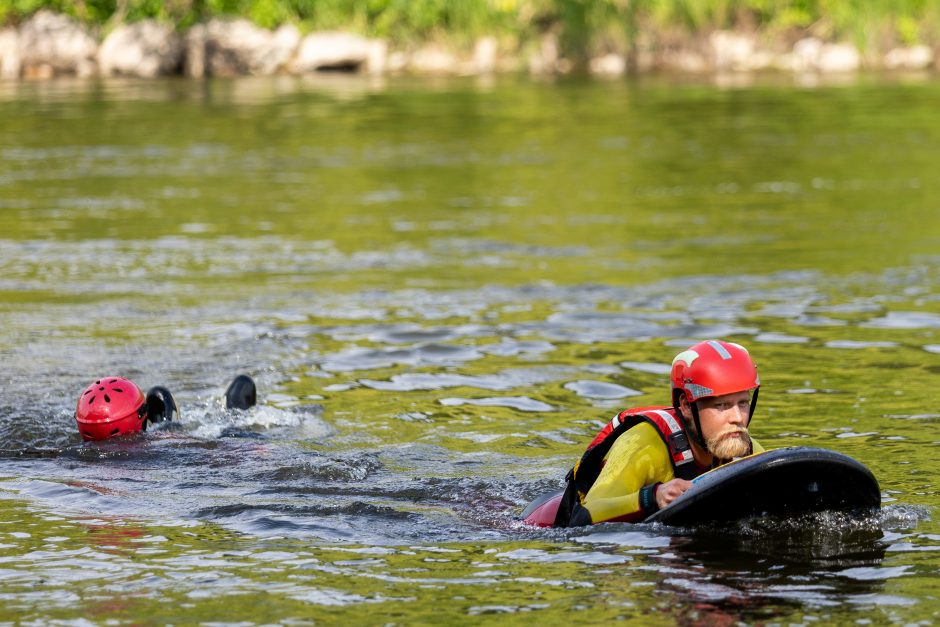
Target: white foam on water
{"x":210,"y":423}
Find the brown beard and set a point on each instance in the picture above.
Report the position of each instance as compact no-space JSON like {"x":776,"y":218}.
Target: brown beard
{"x":724,"y":447}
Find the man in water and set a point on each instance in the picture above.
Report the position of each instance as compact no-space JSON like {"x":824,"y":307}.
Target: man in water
{"x":114,"y":406}
{"x":647,"y":456}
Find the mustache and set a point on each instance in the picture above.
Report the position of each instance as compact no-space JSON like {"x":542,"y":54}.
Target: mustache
{"x":723,"y":436}
{"x":724,"y":447}
{"x":732,"y":431}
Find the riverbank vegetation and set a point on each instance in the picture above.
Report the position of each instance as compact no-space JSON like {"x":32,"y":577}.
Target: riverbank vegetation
{"x":582,"y":27}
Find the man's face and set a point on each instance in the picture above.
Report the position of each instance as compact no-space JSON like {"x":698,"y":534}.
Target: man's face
{"x":724,"y":424}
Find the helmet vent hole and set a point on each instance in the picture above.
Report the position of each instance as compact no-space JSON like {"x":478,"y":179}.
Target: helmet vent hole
{"x":107,"y":399}
{"x":91,"y":400}
{"x":87,"y":392}
{"x":118,"y":389}
{"x":115,"y":431}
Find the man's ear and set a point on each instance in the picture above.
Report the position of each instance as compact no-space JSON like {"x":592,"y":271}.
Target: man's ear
{"x":684,"y":407}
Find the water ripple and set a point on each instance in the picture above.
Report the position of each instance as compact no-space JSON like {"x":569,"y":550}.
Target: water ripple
{"x":600,"y":389}
{"x":522,"y":403}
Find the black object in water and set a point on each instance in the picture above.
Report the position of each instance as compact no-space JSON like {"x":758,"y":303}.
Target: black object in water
{"x":241,"y":393}
{"x":161,"y":406}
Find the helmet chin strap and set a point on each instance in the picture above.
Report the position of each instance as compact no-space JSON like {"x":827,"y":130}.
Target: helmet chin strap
{"x":697,"y":433}
{"x":753,"y":405}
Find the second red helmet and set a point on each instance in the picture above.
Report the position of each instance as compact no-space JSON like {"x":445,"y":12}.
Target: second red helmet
{"x":109,"y":407}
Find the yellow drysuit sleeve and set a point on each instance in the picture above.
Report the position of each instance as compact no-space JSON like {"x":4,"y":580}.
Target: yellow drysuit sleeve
{"x":638,"y":458}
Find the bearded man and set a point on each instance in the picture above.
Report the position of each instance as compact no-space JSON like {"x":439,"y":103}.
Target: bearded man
{"x":647,"y":456}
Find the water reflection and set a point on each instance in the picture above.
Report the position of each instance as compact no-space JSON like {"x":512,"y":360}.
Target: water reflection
{"x":443,"y":290}
{"x":250,"y":91}
{"x":749,"y":571}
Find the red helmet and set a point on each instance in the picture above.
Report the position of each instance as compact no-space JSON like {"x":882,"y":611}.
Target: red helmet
{"x":712,"y":368}
{"x":110,"y":407}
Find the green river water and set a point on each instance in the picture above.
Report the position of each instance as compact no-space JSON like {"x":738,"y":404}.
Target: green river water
{"x":443,"y":289}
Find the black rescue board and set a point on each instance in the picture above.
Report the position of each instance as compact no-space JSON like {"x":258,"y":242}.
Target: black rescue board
{"x":782,"y":482}
{"x":786,"y":481}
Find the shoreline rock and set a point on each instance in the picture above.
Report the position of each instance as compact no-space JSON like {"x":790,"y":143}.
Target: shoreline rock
{"x":236,"y":47}
{"x":145,"y":49}
{"x":49,"y":44}
{"x":918,"y":57}
{"x":10,"y":62}
{"x":338,"y":51}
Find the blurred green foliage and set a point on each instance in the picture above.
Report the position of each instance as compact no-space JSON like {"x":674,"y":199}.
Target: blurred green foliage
{"x":583,"y":26}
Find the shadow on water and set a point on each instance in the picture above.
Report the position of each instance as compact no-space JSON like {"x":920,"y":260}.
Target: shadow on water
{"x":803,"y":544}
{"x":750,"y":570}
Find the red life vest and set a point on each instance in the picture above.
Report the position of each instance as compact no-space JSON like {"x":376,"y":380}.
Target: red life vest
{"x":588,"y":468}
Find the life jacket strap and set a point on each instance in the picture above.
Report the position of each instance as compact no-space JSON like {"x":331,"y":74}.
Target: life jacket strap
{"x":585,"y":472}
{"x":673,"y":435}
